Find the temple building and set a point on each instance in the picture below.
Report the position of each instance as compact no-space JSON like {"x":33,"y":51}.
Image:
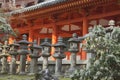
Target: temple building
{"x":52,"y":18}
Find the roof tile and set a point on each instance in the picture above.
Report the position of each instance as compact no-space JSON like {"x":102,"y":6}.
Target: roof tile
{"x":40,"y":5}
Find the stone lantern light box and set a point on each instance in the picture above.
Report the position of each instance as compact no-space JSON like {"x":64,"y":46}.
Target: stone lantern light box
{"x":46,"y":48}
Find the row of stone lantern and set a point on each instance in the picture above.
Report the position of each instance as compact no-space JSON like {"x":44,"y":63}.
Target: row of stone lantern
{"x":36,"y":51}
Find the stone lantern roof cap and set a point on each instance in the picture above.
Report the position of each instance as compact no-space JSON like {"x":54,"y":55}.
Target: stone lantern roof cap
{"x":74,"y":38}
{"x":46,"y":43}
{"x":60,"y":43}
{"x":35,"y":46}
{"x":24,"y":41}
{"x":15,"y":44}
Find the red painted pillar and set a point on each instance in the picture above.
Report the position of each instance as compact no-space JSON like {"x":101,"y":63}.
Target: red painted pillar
{"x":85,"y":31}
{"x":38,"y":40}
{"x":54,"y":37}
{"x":10,"y":41}
{"x":30,"y":38}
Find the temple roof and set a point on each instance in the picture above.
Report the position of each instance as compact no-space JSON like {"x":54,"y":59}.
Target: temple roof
{"x":50,"y":7}
{"x":49,"y":3}
{"x":39,"y":5}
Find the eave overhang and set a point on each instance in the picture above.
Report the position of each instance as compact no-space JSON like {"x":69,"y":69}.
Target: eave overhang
{"x":54,"y":6}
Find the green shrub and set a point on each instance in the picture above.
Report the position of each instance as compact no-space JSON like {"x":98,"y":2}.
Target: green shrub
{"x":104,"y":44}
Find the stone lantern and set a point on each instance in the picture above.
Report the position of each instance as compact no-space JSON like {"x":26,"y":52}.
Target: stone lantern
{"x":13,"y":52}
{"x":59,"y":55}
{"x":23,"y":51}
{"x":46,"y":49}
{"x":35,"y":54}
{"x":4,"y":55}
{"x":74,"y":48}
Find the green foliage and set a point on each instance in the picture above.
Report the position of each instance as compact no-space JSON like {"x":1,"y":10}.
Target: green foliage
{"x":16,"y":77}
{"x":23,"y":77}
{"x":104,"y":44}
{"x":75,"y":75}
{"x":63,"y":78}
{"x":5,"y":28}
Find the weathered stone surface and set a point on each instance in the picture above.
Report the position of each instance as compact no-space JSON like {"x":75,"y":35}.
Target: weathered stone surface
{"x":13,"y":52}
{"x":46,"y":49}
{"x":35,"y":54}
{"x":4,"y":55}
{"x":59,"y":55}
{"x":74,"y":42}
{"x":23,"y":52}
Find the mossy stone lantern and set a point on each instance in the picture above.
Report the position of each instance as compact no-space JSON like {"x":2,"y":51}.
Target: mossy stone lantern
{"x":74,"y":48}
{"x":4,"y":55}
{"x":23,"y":51}
{"x":59,"y":55}
{"x":35,"y":54}
{"x":13,"y":52}
{"x":46,"y":49}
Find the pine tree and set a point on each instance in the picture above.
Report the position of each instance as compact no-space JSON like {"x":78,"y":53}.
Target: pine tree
{"x":5,"y":28}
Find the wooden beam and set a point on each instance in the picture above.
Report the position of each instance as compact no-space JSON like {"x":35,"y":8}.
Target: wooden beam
{"x":65,"y":34}
{"x":112,"y":13}
{"x":43,"y":36}
{"x":43,"y":25}
{"x":72,"y":21}
{"x":71,"y":32}
{"x":52,"y":24}
{"x":23,"y":31}
{"x":69,"y":21}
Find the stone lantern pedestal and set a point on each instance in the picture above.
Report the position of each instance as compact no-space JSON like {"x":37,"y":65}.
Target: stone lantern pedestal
{"x":35,"y":54}
{"x":4,"y":55}
{"x":46,"y":48}
{"x":13,"y":52}
{"x":59,"y":55}
{"x":23,"y":52}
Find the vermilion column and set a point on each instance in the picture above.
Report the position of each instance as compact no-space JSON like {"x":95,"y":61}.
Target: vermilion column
{"x":54,"y":38}
{"x":10,"y":41}
{"x":38,"y":40}
{"x":30,"y":39}
{"x":85,"y":31}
